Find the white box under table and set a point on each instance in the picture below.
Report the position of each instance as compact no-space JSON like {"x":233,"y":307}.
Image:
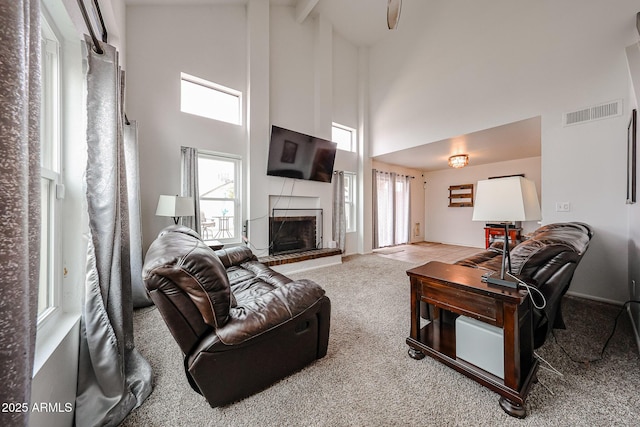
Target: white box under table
{"x":480,"y":344}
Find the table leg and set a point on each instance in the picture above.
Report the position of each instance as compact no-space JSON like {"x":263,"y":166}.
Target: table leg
{"x":512,"y":369}
{"x":415,"y":318}
{"x":511,"y":329}
{"x":514,"y":409}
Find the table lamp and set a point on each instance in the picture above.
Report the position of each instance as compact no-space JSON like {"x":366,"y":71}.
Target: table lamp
{"x":504,"y":200}
{"x":175,"y":207}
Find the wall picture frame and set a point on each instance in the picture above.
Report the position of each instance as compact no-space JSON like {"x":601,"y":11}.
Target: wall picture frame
{"x":289,"y":151}
{"x":631,"y":156}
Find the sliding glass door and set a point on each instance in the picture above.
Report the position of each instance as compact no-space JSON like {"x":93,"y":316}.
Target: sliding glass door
{"x":392,"y":208}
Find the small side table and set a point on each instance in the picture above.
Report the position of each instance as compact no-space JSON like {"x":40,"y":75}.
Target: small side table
{"x":492,"y":232}
{"x":453,"y":290}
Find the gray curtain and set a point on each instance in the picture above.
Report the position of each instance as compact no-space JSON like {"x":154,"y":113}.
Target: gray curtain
{"x":189,"y":158}
{"x":113,"y":378}
{"x":140,"y":296}
{"x":19,"y":200}
{"x":339,"y":220}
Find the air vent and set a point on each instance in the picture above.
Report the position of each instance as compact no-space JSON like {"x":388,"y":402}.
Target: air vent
{"x":596,"y":112}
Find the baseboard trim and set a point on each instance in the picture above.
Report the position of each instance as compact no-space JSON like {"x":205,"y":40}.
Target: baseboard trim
{"x":592,"y":298}
{"x":636,"y":332}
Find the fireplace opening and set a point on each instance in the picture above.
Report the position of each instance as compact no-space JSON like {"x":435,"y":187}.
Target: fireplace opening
{"x":295,"y":230}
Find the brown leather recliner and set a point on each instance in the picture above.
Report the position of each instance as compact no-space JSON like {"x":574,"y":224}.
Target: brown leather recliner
{"x":240,"y":325}
{"x":546,"y":260}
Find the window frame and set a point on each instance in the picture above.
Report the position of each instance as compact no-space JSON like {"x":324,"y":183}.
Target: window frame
{"x":184,"y":77}
{"x":343,"y":128}
{"x":237,"y":200}
{"x":50,"y":171}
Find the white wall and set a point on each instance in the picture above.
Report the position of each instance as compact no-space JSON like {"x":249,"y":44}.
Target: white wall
{"x":292,"y":72}
{"x":454,"y":225}
{"x":345,"y":82}
{"x":258,"y":75}
{"x":455,"y":67}
{"x":345,"y":111}
{"x":163,"y":41}
{"x":284,"y":69}
{"x":301,"y":64}
{"x":633,"y":57}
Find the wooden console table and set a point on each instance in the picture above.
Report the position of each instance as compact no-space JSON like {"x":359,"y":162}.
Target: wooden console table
{"x":453,"y":290}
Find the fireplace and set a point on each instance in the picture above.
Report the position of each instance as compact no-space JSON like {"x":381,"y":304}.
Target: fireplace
{"x":294,"y":231}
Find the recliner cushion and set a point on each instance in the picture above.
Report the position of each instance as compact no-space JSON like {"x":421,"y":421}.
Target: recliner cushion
{"x":257,"y":314}
{"x":179,"y":255}
{"x":533,"y":254}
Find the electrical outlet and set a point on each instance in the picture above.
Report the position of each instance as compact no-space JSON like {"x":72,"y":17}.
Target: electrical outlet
{"x":563,"y":206}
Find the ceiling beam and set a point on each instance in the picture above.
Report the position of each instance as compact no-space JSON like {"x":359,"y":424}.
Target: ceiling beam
{"x":304,"y":8}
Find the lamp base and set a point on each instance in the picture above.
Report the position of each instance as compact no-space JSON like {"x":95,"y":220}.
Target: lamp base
{"x":500,"y":282}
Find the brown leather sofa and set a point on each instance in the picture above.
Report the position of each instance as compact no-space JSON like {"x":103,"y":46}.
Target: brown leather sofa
{"x":547,"y":260}
{"x":240,"y":325}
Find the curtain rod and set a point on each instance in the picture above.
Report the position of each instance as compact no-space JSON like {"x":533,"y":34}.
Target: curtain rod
{"x":377,"y":170}
{"x":105,"y":36}
{"x":87,"y":21}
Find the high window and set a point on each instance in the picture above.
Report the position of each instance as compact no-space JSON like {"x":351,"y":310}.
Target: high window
{"x":350,"y":201}
{"x":344,"y":136}
{"x":50,"y":181}
{"x":211,"y":100}
{"x":220,"y":203}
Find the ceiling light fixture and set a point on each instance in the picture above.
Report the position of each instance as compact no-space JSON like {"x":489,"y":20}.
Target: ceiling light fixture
{"x":393,"y":13}
{"x":459,"y":161}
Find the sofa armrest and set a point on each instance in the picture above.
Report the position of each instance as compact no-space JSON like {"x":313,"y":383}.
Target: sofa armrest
{"x":235,"y":255}
{"x":269,"y":310}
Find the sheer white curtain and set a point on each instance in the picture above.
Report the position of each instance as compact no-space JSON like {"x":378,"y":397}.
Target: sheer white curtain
{"x":392,"y":208}
{"x":403,"y":209}
{"x":383,"y":210}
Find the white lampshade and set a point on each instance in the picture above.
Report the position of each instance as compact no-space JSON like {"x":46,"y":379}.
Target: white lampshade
{"x":506,"y":199}
{"x":174,"y":206}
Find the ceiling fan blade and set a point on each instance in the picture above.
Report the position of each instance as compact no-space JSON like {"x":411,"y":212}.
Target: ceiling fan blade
{"x":393,"y":13}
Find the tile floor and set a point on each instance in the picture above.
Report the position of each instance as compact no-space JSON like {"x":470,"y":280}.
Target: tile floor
{"x":423,"y":252}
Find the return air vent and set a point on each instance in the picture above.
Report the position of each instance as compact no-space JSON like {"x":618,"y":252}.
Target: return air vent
{"x":596,"y":112}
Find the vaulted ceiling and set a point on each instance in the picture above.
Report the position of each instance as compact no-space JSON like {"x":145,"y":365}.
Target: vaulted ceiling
{"x":364,"y":23}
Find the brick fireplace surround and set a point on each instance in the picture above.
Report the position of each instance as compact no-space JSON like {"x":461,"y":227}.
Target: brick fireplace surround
{"x":292,"y":234}
{"x":294,"y":240}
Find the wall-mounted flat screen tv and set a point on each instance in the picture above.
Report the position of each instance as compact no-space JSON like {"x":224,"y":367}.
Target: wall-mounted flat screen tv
{"x":296,"y":155}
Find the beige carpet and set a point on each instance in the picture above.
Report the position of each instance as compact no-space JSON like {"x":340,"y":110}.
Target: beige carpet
{"x":367,"y":378}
